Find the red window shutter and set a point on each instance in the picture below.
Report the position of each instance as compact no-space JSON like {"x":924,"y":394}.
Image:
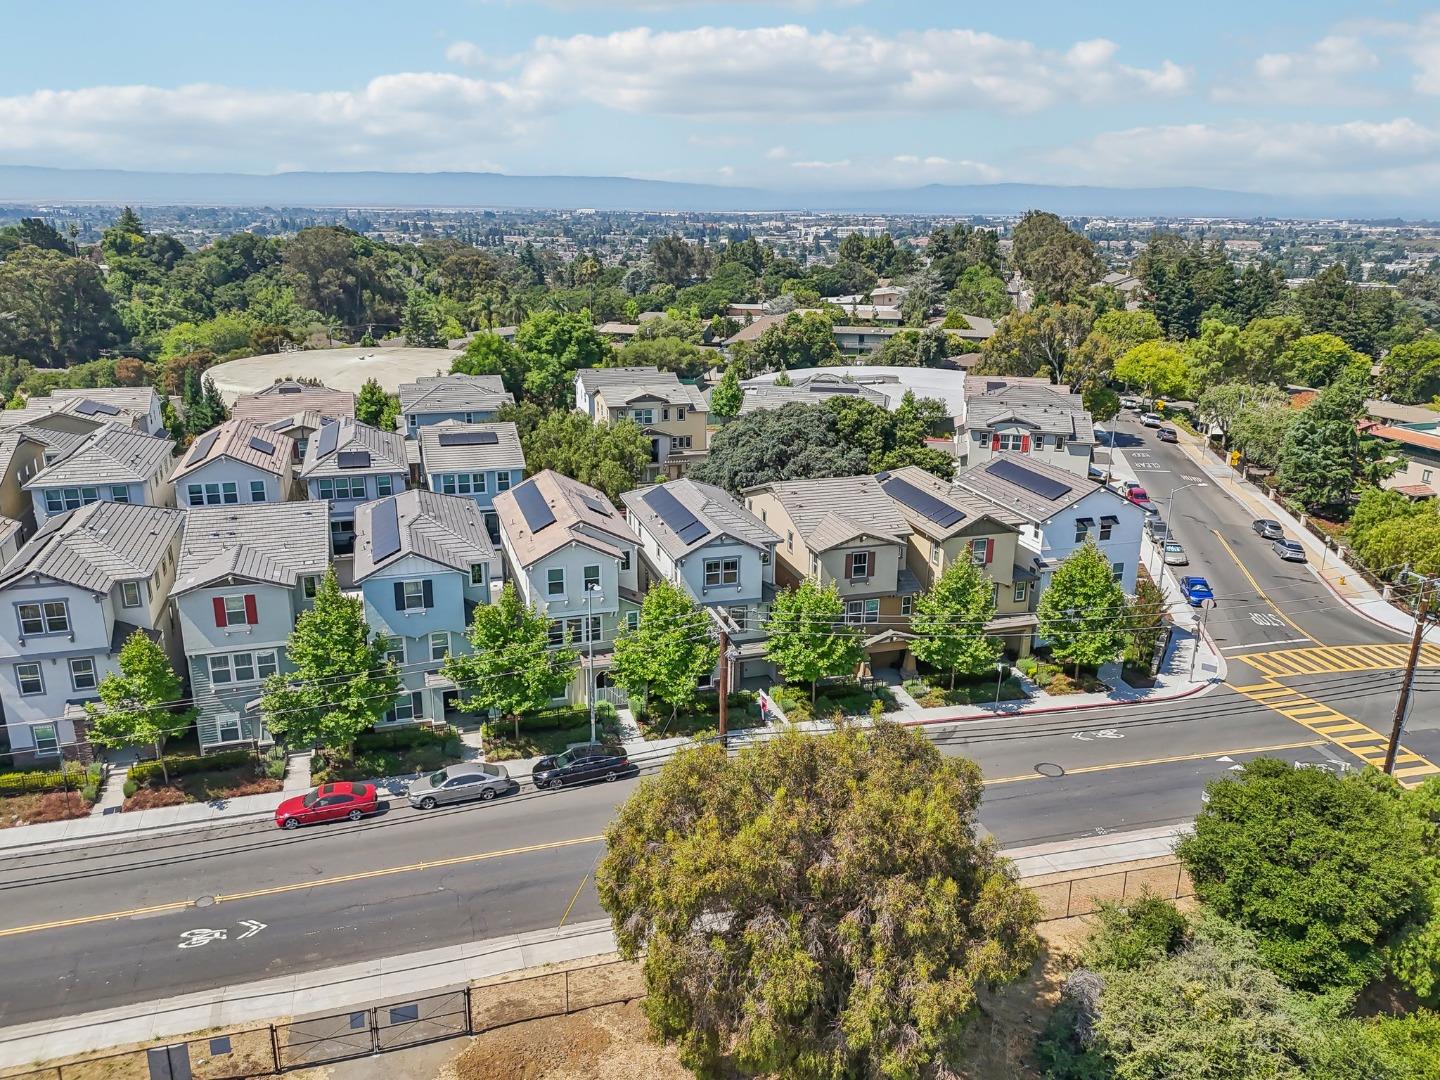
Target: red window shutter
{"x":251,"y":616}
{"x":219,"y":604}
{"x":995,"y":440}
{"x":989,"y":551}
{"x":1024,"y":444}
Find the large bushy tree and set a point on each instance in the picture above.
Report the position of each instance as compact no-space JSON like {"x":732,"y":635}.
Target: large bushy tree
{"x":817,"y":908}
{"x":1057,"y":261}
{"x":794,"y":442}
{"x":139,"y":704}
{"x":609,"y":456}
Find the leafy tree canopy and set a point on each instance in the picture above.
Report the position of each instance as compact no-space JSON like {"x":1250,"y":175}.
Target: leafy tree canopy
{"x":669,"y":651}
{"x":608,"y":456}
{"x":808,"y":640}
{"x":795,"y":442}
{"x":1082,"y":610}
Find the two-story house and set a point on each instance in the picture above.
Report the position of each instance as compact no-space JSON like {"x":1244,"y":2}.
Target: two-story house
{"x":22,"y":455}
{"x":466,"y":399}
{"x":1005,"y":415}
{"x":672,"y":414}
{"x":477,"y":461}
{"x":847,"y":532}
{"x":573,"y":557}
{"x":74,"y":594}
{"x":238,"y":462}
{"x":422,"y":564}
{"x":114,"y":464}
{"x":295,"y":409}
{"x":700,"y":538}
{"x":135,"y":406}
{"x":246,"y":573}
{"x":947,"y":524}
{"x":349,"y":463}
{"x":1061,"y":511}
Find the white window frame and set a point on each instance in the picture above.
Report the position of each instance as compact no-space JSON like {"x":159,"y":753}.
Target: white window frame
{"x":45,"y":617}
{"x":477,"y":573}
{"x":854,"y":612}
{"x":439,"y":636}
{"x":309,"y":586}
{"x":1010,"y":440}
{"x":384,"y":486}
{"x":414,"y":600}
{"x":1081,"y":532}
{"x":502,"y":481}
{"x":257,"y":491}
{"x":129,"y":589}
{"x":1107,"y":528}
{"x":230,"y":615}
{"x":854,"y":559}
{"x":50,"y":744}
{"x":229,"y":722}
{"x":587,"y":579}
{"x":722,"y":571}
{"x":1022,"y":592}
{"x":1118,"y":569}
{"x":552,"y":580}
{"x":978,"y":549}
{"x":120,"y":493}
{"x":907,"y":606}
{"x":395,"y":650}
{"x":21,"y":677}
{"x":76,"y":676}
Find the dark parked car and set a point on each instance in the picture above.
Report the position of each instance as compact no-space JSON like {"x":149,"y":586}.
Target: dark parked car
{"x":1168,"y":434}
{"x":1267,"y":529}
{"x":580,"y":763}
{"x":328,"y":802}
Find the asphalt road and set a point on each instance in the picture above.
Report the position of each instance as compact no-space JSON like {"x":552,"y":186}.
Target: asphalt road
{"x":122,"y":922}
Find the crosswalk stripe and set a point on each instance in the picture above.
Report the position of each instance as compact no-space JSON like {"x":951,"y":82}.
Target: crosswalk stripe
{"x":1417,"y":770}
{"x":1332,"y":659}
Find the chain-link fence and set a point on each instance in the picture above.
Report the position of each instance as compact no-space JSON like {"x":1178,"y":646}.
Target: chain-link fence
{"x":1083,"y":894}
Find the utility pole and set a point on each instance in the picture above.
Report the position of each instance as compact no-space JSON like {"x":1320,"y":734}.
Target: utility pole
{"x":724,"y":688}
{"x":1402,"y":706}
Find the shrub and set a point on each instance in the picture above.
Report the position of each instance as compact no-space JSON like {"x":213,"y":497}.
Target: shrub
{"x":1133,"y":934}
{"x":276,"y":762}
{"x":403,"y":738}
{"x":40,"y":781}
{"x":1028,"y":666}
{"x":150,"y":772}
{"x":153,"y":798}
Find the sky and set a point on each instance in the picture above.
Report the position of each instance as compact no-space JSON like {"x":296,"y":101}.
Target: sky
{"x":1276,"y":97}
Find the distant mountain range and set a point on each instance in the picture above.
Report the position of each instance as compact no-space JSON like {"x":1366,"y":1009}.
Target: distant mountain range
{"x":480,"y":190}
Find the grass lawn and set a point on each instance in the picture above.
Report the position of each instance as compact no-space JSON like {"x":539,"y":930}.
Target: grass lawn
{"x":935,"y":691}
{"x":38,"y":808}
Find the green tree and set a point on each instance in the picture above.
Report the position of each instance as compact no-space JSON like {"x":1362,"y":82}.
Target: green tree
{"x":1222,"y":404}
{"x":1259,"y":431}
{"x":1317,"y":360}
{"x":1102,"y":403}
{"x":674,"y":260}
{"x":1060,"y":263}
{"x":808,"y":638}
{"x":1082,"y":610}
{"x":798,"y":341}
{"x":1040,"y":341}
{"x":978,"y":291}
{"x":1322,"y":869}
{"x":421,"y":322}
{"x":728,"y":396}
{"x":372,"y":405}
{"x":1092,"y":364}
{"x":1146,"y":621}
{"x":490,"y":354}
{"x":1410,"y":372}
{"x":1324,"y":458}
{"x":949,"y":622}
{"x":609,"y":456}
{"x":56,"y":309}
{"x":668,"y":652}
{"x":1264,"y":342}
{"x":1158,"y":368}
{"x":794,"y":442}
{"x":137,"y":703}
{"x":816,"y":907}
{"x":342,"y":682}
{"x":512,"y":669}
{"x":685,"y":359}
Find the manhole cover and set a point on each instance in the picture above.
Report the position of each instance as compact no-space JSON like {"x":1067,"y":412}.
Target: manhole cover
{"x":1049,"y":768}
{"x":204,"y":901}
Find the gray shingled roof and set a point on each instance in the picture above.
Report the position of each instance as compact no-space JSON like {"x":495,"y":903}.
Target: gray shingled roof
{"x":973,"y":508}
{"x":240,"y":440}
{"x":288,"y":397}
{"x":309,"y":420}
{"x":980,"y":480}
{"x":1050,"y":410}
{"x":112,"y":455}
{"x":454,"y":393}
{"x":768,"y":396}
{"x":10,"y":443}
{"x":621,"y":385}
{"x":504,"y":453}
{"x":583,"y":515}
{"x":835,"y":511}
{"x":57,"y":443}
{"x":713,"y":507}
{"x":98,"y":545}
{"x":136,"y":399}
{"x":276,"y":543}
{"x":592,"y":379}
{"x":386,"y":450}
{"x":446,"y":529}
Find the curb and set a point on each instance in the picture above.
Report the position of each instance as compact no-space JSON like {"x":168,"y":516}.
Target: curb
{"x":1209,"y":684}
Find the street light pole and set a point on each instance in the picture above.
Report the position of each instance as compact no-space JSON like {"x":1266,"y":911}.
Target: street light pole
{"x":590,"y":591}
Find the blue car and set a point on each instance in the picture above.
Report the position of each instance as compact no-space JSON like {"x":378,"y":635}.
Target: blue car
{"x":1196,"y":590}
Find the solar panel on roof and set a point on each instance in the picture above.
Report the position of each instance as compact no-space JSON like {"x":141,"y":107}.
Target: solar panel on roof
{"x":354,"y":459}
{"x":469,"y":438}
{"x":264,"y":447}
{"x":595,"y":504}
{"x":384,"y":530}
{"x":329,"y":435}
{"x":90,"y":408}
{"x":836,"y":389}
{"x":288,"y":390}
{"x":202,"y":447}
{"x":674,"y":514}
{"x":533,"y":507}
{"x":922,"y":502}
{"x":1020,"y":476}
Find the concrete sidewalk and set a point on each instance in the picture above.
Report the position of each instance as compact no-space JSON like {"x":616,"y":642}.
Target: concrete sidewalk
{"x":397,"y":978}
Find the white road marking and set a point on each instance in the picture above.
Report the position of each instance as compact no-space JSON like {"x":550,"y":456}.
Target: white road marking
{"x":1264,"y":644}
{"x":201,"y":936}
{"x":252,"y":928}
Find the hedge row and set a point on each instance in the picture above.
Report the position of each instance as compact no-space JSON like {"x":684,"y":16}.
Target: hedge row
{"x":41,"y":781}
{"x":404,"y":738}
{"x":148,"y":772}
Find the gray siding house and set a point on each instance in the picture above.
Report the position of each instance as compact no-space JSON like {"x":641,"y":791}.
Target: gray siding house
{"x":474,"y":460}
{"x":238,"y":462}
{"x":348,"y":463}
{"x":466,"y":399}
{"x":84,"y":583}
{"x":113,"y":464}
{"x":422,"y":565}
{"x":295,"y":409}
{"x":245,"y":575}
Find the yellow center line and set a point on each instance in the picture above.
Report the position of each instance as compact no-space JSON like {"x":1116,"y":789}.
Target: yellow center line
{"x":1155,"y":761}
{"x":1258,"y":590}
{"x":317,"y":883}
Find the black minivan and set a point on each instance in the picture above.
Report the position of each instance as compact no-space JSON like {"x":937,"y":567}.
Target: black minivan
{"x":580,"y":763}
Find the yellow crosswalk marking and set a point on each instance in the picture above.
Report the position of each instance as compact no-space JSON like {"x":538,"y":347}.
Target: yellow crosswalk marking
{"x":1332,"y":659}
{"x":1345,"y":732}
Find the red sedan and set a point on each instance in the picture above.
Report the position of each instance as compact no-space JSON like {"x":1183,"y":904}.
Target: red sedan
{"x":328,"y":802}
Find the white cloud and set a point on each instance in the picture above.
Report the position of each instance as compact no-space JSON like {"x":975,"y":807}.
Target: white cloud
{"x":777,"y":153}
{"x":791,"y":70}
{"x":843,"y":163}
{"x":1424,"y":51}
{"x":405,"y":120}
{"x":466,"y":53}
{"x":1399,"y":155}
{"x":1322,"y":74}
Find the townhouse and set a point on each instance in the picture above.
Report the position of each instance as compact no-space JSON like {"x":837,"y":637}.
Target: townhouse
{"x":672,"y":414}
{"x":1415,"y":446}
{"x":466,"y":399}
{"x":112,"y":464}
{"x":139,"y":407}
{"x":702,"y":539}
{"x":948,"y":524}
{"x":1060,"y":512}
{"x":1024,"y":416}
{"x":295,"y":409}
{"x":22,"y":455}
{"x":422,"y":565}
{"x":846,"y":532}
{"x":245,"y":575}
{"x":349,"y":463}
{"x":477,"y":461}
{"x":812,"y":392}
{"x":573,"y":557}
{"x":238,"y":462}
{"x":77,"y":590}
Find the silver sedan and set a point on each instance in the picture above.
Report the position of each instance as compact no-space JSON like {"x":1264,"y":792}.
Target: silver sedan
{"x":460,"y":783}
